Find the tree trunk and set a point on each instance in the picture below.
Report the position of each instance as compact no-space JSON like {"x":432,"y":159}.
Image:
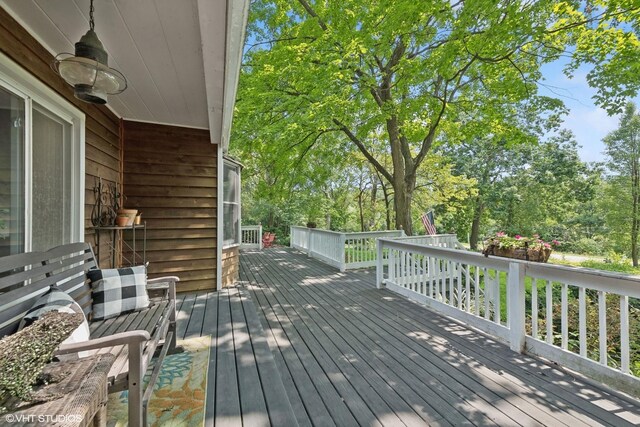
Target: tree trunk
{"x":635,"y":193}
{"x":361,"y":211}
{"x":387,"y":203}
{"x":402,"y":198}
{"x":475,"y":224}
{"x":374,"y":201}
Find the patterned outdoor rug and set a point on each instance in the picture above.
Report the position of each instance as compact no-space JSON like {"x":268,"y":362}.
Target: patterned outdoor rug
{"x":179,"y":394}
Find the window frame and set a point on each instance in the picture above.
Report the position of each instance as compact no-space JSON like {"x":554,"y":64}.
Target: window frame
{"x":226,"y":162}
{"x":23,"y":84}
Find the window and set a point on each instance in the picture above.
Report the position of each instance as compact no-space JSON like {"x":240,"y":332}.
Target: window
{"x":41,"y":165}
{"x":231,"y":203}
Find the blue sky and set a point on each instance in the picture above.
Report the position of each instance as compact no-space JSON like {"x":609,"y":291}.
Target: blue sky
{"x":588,"y":122}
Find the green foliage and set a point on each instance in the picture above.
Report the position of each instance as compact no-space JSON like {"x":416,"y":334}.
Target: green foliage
{"x":617,"y":267}
{"x":621,"y":198}
{"x":352,"y":113}
{"x":394,"y":79}
{"x":24,"y":354}
{"x":597,"y":245}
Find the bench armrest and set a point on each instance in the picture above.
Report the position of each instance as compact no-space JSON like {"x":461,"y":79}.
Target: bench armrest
{"x":160,"y":280}
{"x":122,"y":338}
{"x":167,"y":284}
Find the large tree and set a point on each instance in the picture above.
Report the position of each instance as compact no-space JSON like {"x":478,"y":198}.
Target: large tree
{"x":337,"y":75}
{"x":623,"y":152}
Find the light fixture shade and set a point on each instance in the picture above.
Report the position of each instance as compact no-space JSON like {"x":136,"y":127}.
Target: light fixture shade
{"x":92,"y":80}
{"x":88,"y":71}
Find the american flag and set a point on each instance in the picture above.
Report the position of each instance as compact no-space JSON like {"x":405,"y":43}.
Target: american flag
{"x":427,"y":221}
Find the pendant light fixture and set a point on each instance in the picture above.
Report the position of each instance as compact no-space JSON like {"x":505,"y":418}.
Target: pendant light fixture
{"x":88,"y":70}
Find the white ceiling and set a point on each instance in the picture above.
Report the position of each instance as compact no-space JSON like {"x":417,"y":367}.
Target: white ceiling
{"x":158,"y":46}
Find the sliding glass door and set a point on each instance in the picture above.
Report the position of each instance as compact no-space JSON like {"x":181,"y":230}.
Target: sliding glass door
{"x":41,"y":177}
{"x":12,"y":173}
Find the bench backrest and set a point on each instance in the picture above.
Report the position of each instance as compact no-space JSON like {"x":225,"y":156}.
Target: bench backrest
{"x":24,"y":277}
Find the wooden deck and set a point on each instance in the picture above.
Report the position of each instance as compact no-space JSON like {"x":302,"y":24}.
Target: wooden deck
{"x":300,"y":342}
{"x":244,"y":385}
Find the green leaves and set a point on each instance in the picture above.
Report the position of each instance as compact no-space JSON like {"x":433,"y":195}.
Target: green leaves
{"x":392,"y":79}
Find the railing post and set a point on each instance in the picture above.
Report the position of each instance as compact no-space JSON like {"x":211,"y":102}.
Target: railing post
{"x":291,"y":237}
{"x":379,"y":264}
{"x":341,"y":251}
{"x":516,"y":298}
{"x":260,"y":235}
{"x":402,"y":233}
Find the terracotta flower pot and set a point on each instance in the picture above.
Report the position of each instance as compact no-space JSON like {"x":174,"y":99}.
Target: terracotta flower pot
{"x":122,"y":221}
{"x":130,"y":214}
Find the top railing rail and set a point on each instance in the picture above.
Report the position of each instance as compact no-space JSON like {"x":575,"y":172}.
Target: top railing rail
{"x":351,"y":250}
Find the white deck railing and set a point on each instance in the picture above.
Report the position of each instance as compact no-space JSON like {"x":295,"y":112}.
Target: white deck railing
{"x":341,"y":250}
{"x":558,"y":312}
{"x":251,"y":237}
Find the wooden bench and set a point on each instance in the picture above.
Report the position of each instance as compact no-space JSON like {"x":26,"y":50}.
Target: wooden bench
{"x":133,"y":338}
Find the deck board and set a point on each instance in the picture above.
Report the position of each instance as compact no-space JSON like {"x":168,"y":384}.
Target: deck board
{"x":196,"y":320}
{"x":244,"y":387}
{"x":210,"y":327}
{"x":227,"y":397}
{"x":406,"y":364}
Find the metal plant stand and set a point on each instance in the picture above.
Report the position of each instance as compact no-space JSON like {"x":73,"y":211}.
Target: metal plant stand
{"x":112,"y":243}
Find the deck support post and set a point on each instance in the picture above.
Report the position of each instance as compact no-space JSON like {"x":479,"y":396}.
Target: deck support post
{"x":309,"y":241}
{"x":379,"y":264}
{"x":516,"y":298}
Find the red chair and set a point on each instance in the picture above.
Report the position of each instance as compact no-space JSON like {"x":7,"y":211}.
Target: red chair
{"x":268,"y":239}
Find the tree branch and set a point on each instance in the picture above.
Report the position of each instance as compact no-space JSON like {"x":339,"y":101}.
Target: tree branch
{"x":363,"y":150}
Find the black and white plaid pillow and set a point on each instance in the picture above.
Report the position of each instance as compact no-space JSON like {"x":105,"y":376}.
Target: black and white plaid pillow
{"x":117,"y":291}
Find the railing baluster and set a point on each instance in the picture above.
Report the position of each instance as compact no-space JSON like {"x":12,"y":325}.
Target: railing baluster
{"x":451,"y":283}
{"x":624,"y":334}
{"x":497,"y":314}
{"x":549,"y":310}
{"x":477,"y":290}
{"x":459,"y":270}
{"x":416,"y":270}
{"x":392,"y":265}
{"x":425,"y":276}
{"x":431,"y":276}
{"x":487,"y":285}
{"x":438,"y":286}
{"x":602,"y":325}
{"x":443,"y":285}
{"x":582,"y":319}
{"x":534,"y":307}
{"x":564,"y":321}
{"x":467,"y":286}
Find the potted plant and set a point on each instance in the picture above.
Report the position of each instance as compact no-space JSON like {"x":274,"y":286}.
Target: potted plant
{"x":518,"y":247}
{"x":129,"y":214}
{"x":311,"y":224}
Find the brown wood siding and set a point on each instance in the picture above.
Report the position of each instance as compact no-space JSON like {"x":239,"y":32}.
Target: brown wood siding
{"x":230,"y":266}
{"x":102,"y":127}
{"x":170,"y":174}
